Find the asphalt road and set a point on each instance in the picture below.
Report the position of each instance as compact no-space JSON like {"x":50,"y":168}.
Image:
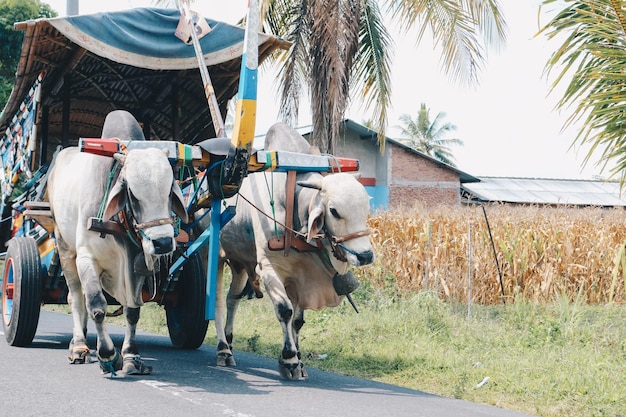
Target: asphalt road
{"x":38,"y":381}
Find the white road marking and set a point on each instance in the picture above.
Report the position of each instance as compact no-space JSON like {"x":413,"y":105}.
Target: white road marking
{"x":186,"y":393}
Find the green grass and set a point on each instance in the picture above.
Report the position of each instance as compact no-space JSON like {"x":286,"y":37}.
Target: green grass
{"x":563,"y":359}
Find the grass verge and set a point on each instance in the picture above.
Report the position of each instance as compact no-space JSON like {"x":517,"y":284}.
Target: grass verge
{"x":559,"y":359}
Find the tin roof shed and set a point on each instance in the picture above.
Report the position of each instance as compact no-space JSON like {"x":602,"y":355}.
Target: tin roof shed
{"x":597,"y":193}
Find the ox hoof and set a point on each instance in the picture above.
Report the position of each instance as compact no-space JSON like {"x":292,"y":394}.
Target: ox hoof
{"x":292,"y":371}
{"x":225,"y":359}
{"x":79,"y":355}
{"x":112,"y":364}
{"x":134,"y":365}
{"x":346,"y":283}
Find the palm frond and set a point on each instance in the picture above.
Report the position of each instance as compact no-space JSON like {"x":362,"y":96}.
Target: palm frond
{"x":490,"y":21}
{"x":591,"y":62}
{"x":333,"y":45}
{"x":293,"y":26}
{"x":457,"y":29}
{"x":372,"y":66}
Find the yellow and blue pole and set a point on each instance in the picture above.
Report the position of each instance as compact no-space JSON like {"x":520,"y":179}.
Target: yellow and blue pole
{"x":245,"y":116}
{"x":243,"y":136}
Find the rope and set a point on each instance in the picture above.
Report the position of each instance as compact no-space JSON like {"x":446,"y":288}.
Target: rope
{"x":107,"y":366}
{"x":272,"y":202}
{"x":274,"y":218}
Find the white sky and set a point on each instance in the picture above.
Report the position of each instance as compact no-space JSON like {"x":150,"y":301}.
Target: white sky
{"x":507,"y":123}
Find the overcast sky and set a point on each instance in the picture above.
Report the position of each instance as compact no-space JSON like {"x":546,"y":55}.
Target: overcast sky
{"x":507,"y":123}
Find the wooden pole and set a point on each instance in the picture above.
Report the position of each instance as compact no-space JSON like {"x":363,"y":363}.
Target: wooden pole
{"x":469,"y":263}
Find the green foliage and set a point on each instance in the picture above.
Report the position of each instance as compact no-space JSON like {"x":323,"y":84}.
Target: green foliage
{"x":590,"y":63}
{"x":565,"y":358}
{"x":12,"y":11}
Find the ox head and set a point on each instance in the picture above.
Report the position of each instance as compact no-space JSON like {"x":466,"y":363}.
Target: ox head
{"x":147,"y":188}
{"x":340,"y":211}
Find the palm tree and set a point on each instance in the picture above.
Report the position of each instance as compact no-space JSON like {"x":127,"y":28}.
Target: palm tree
{"x":591,"y":63}
{"x":429,"y":137}
{"x":343,"y":46}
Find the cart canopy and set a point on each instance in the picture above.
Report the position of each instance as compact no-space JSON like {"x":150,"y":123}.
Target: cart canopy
{"x":131,"y":60}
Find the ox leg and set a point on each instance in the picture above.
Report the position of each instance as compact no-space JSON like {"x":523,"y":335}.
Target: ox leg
{"x":78,"y":350}
{"x":133,"y":364}
{"x":289,"y":364}
{"x":225,"y":331}
{"x":298,"y":322}
{"x":108,"y":356}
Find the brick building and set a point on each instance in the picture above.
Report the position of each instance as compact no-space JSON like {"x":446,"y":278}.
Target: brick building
{"x":401,"y":175}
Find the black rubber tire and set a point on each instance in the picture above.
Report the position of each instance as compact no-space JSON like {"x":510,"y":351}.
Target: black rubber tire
{"x":20,"y":314}
{"x":185,"y":319}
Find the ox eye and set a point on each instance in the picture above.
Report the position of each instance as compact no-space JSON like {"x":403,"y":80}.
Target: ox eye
{"x":335,"y":213}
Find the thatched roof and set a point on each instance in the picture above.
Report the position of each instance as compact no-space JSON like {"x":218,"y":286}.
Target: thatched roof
{"x":127,"y":60}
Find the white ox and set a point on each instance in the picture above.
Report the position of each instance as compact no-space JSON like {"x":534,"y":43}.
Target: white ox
{"x":145,"y":189}
{"x":327,"y":208}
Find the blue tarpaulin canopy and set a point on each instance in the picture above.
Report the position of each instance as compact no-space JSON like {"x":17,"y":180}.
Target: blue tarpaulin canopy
{"x":129,"y":60}
{"x":145,"y":38}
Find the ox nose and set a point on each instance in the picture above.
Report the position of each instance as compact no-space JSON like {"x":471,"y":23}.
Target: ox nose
{"x":163,"y":245}
{"x":365,"y":258}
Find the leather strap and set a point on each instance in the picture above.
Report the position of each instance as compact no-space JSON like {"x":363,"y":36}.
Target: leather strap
{"x":300,"y":245}
{"x":291,"y":196}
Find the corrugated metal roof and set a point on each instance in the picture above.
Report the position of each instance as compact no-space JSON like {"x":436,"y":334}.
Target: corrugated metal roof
{"x":546,"y":191}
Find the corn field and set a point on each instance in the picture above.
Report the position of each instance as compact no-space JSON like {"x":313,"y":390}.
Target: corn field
{"x":542,"y":253}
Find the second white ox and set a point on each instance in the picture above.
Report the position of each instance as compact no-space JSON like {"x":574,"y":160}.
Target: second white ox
{"x":330,"y":211}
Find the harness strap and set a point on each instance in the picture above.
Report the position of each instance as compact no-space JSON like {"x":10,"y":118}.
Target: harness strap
{"x":291,"y":193}
{"x":350,"y":236}
{"x":273,"y":218}
{"x":152,"y":223}
{"x":112,"y":176}
{"x":130,"y":231}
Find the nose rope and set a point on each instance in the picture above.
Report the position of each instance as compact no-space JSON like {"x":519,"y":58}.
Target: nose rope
{"x":336,"y":243}
{"x":152,"y":223}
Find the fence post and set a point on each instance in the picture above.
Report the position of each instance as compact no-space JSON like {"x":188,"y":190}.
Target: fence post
{"x":495,"y":255}
{"x":430,"y":228}
{"x":469,"y":289}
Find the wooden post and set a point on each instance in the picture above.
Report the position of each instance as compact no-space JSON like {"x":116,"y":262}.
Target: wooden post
{"x":65,"y":123}
{"x":469,"y":263}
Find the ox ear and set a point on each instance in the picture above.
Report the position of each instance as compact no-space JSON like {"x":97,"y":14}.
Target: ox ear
{"x":316,"y":219}
{"x":178,"y":204}
{"x":316,"y":184}
{"x":117,"y":200}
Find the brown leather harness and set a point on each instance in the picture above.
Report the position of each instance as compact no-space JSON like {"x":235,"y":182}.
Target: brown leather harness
{"x":126,"y":224}
{"x":293,"y":239}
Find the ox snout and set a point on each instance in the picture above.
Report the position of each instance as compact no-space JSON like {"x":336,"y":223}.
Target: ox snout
{"x":163,"y":245}
{"x":365,"y":258}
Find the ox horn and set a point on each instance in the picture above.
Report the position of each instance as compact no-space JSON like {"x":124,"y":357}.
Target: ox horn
{"x":119,"y":157}
{"x":311,"y":184}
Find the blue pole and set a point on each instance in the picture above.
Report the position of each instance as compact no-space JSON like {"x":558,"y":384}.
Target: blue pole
{"x":214,"y":247}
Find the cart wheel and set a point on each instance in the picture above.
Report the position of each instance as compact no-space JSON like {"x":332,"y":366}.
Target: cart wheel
{"x":21,"y":291}
{"x":185,"y":319}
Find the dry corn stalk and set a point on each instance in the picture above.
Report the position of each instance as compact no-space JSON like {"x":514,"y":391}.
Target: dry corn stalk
{"x":543,"y":252}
